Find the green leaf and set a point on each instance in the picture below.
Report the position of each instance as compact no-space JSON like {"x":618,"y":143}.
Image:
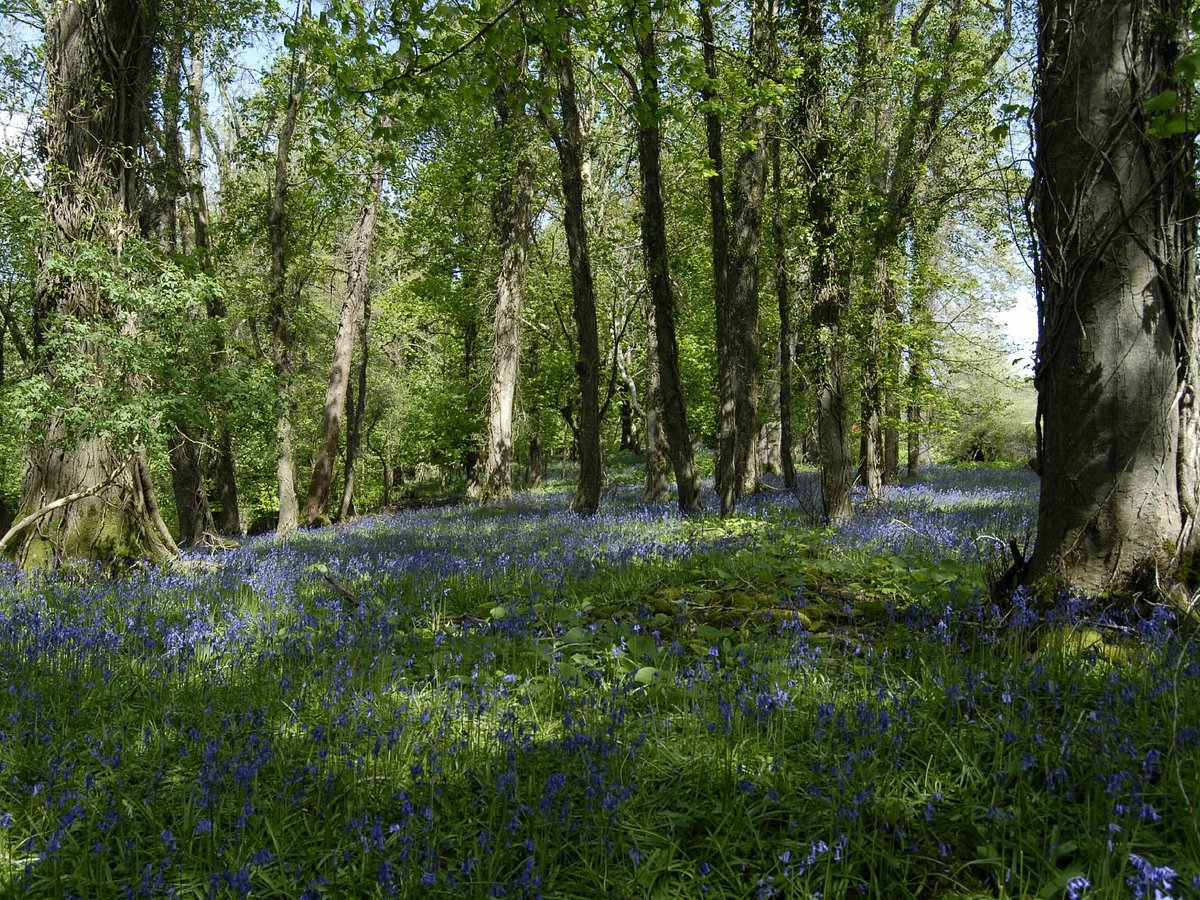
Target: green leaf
{"x":498,"y":612}
{"x":647,"y":675}
{"x":1188,"y":66}
{"x":1168,"y":99}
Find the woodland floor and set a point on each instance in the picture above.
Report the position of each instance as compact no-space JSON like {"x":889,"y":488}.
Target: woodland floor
{"x":513,"y":701}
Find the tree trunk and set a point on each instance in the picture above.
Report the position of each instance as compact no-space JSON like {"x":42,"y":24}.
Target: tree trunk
{"x":356,"y":409}
{"x":749,"y":190}
{"x":656,"y":439}
{"x":228,"y":516}
{"x":654,"y":247}
{"x":191,"y":502}
{"x":920,"y":354}
{"x":280,"y":316}
{"x":537,"y":466}
{"x":726,"y":468}
{"x":362,"y":239}
{"x":872,"y":402}
{"x":827,"y":281}
{"x":569,"y":142}
{"x":99,"y":58}
{"x":1115,"y":218}
{"x":513,"y":224}
{"x":783,"y":294}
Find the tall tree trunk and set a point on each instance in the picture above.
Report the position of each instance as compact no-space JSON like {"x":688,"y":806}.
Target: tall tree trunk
{"x":362,"y":239}
{"x":783,"y":294}
{"x":920,"y":355}
{"x":99,"y":57}
{"x":228,"y":516}
{"x":513,"y":224}
{"x":356,"y":408}
{"x":726,"y":468}
{"x":569,"y":142}
{"x":827,"y":280}
{"x":537,"y":466}
{"x":749,"y":191}
{"x":654,"y":247}
{"x":191,"y":501}
{"x":874,"y":350}
{"x":655,"y":488}
{"x":1115,"y":218}
{"x":280,"y":316}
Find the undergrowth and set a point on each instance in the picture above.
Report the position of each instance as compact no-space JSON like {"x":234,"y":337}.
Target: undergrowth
{"x":516,"y":702}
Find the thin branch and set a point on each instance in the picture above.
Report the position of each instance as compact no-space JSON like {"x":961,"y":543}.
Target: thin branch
{"x":24,"y":523}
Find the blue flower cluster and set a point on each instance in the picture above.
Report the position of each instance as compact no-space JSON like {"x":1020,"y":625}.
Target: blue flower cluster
{"x":419,"y":704}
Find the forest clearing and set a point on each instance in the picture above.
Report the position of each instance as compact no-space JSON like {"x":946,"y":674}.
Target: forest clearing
{"x":514,"y":702}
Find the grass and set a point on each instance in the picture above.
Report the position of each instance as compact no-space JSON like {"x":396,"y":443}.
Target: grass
{"x":517,"y":702}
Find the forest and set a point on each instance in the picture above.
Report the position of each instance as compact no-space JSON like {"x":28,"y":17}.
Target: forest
{"x":570,"y":449}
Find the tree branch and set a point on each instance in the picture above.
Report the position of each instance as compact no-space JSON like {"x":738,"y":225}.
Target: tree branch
{"x":24,"y":523}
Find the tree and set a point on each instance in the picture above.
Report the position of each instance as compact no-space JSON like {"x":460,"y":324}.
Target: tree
{"x":512,"y":206}
{"x":568,"y":139}
{"x":783,"y":297}
{"x":828,"y":288}
{"x":86,"y":493}
{"x":1114,"y":210}
{"x":358,"y":252}
{"x":726,"y":472}
{"x":647,"y":102}
{"x":745,"y":240}
{"x":282,"y":348}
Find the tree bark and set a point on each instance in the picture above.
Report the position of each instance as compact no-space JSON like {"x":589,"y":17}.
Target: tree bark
{"x":512,"y":221}
{"x":99,"y":58}
{"x":356,"y":408}
{"x":191,"y":502}
{"x":783,"y":295}
{"x":280,"y":316}
{"x":726,"y":468}
{"x":654,"y":247}
{"x":569,"y":142}
{"x":1115,"y":217}
{"x":749,"y":191}
{"x":362,"y":239}
{"x":827,"y":281}
{"x":655,"y":486}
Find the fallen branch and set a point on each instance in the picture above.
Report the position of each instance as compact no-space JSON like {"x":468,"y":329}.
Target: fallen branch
{"x":24,"y":523}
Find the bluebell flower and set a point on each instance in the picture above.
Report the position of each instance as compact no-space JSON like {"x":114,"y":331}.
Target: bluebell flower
{"x":1076,"y":886}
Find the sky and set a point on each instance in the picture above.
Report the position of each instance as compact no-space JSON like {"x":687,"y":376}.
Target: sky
{"x":1020,"y":324}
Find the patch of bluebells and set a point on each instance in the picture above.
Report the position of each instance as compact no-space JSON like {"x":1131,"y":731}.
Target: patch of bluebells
{"x":245,"y":693}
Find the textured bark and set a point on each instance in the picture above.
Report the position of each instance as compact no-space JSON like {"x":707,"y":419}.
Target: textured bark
{"x":277,"y":299}
{"x":726,"y":469}
{"x":569,"y":142}
{"x":187,"y":481}
{"x":1114,"y":213}
{"x":783,"y":295}
{"x":658,"y":276}
{"x":362,"y":239}
{"x":749,"y":191}
{"x":874,"y":352}
{"x":537,"y":468}
{"x":356,"y":408}
{"x":827,"y":281}
{"x":98,"y":58}
{"x":512,"y":221}
{"x":655,"y":487}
